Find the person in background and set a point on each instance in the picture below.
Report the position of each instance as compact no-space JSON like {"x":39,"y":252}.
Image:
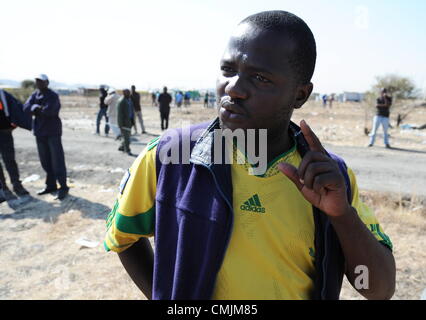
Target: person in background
{"x":381,"y":118}
{"x":179,"y":99}
{"x":154,"y":99}
{"x":103,"y":107}
{"x":330,"y":100}
{"x":324,"y":100}
{"x":7,"y":149}
{"x":44,"y":105}
{"x":206,"y":100}
{"x":124,"y":120}
{"x":136,"y":100}
{"x":112,"y":101}
{"x":164,"y":101}
{"x":187,"y":100}
{"x":157,"y":94}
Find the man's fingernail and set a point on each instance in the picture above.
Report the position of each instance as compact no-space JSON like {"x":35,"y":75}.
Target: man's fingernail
{"x":302,"y":181}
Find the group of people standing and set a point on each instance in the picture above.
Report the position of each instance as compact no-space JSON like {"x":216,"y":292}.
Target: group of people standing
{"x":329,"y":99}
{"x":40,"y":113}
{"x":120,"y":114}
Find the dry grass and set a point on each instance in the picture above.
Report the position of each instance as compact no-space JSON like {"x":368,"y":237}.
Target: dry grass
{"x":404,"y":221}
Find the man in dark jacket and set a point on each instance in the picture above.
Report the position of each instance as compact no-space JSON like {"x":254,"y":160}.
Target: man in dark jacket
{"x":164,"y":101}
{"x":44,"y":105}
{"x":8,"y":103}
{"x":136,"y":100}
{"x":124,"y":120}
{"x":103,"y":107}
{"x":223,"y":231}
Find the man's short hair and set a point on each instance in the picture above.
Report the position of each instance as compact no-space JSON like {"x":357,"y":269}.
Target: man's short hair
{"x":305,"y":53}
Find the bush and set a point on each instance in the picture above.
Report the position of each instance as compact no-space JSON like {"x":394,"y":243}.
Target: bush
{"x":399,"y":87}
{"x":28,"y":84}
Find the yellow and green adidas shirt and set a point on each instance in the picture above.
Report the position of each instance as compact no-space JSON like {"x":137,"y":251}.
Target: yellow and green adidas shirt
{"x":271,"y":250}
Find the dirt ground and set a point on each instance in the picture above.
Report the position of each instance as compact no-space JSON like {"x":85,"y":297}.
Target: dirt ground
{"x":41,"y":258}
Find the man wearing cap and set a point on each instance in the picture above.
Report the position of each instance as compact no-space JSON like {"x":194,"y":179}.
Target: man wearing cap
{"x":382,"y":117}
{"x":44,"y":105}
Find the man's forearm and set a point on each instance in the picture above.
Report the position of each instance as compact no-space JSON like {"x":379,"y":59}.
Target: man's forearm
{"x":361,"y":248}
{"x":138,"y":261}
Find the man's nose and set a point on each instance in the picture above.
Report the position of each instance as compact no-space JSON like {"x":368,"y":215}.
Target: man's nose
{"x":235,"y":88}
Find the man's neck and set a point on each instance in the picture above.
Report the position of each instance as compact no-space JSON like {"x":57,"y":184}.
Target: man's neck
{"x":279,"y":144}
{"x":276,"y":144}
{"x":44,"y":90}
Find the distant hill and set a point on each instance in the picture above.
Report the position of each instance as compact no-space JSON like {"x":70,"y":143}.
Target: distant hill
{"x":9,"y":83}
{"x":6,"y":83}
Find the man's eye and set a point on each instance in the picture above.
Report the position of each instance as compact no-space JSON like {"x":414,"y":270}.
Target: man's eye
{"x":261,"y":79}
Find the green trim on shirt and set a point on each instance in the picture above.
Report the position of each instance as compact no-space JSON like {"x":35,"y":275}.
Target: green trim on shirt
{"x":153,"y":143}
{"x":385,"y":239}
{"x":107,"y":249}
{"x":140,"y":224}
{"x":279,"y":157}
{"x":111,"y":215}
{"x":270,"y":164}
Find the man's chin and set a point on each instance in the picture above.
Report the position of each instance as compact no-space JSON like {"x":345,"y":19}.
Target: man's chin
{"x":233,"y":125}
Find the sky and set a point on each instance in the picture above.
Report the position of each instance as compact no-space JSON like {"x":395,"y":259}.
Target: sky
{"x":179,"y":43}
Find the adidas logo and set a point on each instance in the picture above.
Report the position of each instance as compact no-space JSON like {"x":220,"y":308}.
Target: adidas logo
{"x":253,"y":204}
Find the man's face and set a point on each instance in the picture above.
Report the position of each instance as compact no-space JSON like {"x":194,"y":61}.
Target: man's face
{"x":40,"y":84}
{"x":133,"y":89}
{"x":126,"y":93}
{"x":256,"y":88}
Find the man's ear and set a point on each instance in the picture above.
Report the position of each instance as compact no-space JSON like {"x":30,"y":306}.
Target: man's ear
{"x":303,"y":92}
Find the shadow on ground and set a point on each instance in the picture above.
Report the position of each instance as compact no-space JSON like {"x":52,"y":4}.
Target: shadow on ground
{"x":408,"y":150}
{"x":35,"y":208}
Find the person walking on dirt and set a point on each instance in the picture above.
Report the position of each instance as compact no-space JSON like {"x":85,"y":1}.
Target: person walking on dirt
{"x":187,"y":100}
{"x":324,"y":100}
{"x":44,"y":105}
{"x":381,"y":118}
{"x":330,"y":99}
{"x":164,"y":100}
{"x":223,"y":231}
{"x":124,"y":120}
{"x":8,"y":103}
{"x":103,"y":107}
{"x":206,"y":100}
{"x":179,"y":99}
{"x":136,"y":100}
{"x":112,"y":101}
{"x":154,"y":99}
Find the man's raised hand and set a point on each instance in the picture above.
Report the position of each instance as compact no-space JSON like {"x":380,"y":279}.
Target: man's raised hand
{"x":318,"y":177}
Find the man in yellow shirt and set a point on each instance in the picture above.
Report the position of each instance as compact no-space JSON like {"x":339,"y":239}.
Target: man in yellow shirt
{"x":222,"y":232}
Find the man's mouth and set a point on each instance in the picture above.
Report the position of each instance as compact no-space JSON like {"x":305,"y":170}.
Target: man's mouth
{"x":230,"y":111}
